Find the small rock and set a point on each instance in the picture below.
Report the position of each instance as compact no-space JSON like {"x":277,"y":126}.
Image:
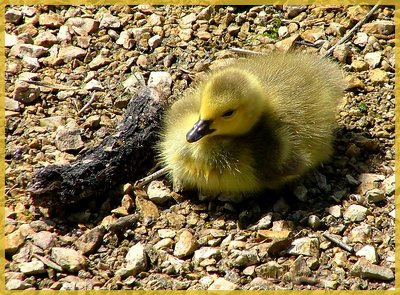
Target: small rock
{"x":313,"y":34}
{"x":351,"y":180}
{"x":109,"y":21}
{"x":13,"y":16}
{"x":359,"y":65}
{"x":369,"y":252}
{"x":83,"y":26}
{"x":166,"y":233}
{"x":340,"y":259}
{"x":314,"y":222}
{"x":161,"y":81}
{"x":148,"y":209}
{"x":354,"y":82}
{"x":185,"y":34}
{"x":356,"y":12}
{"x":155,"y":20}
{"x":158,"y":192}
{"x":304,"y":246}
{"x":286,"y":44}
{"x":301,"y":193}
{"x":373,"y":59}
{"x":187,"y":20}
{"x":54,"y":121}
{"x":50,"y":20}
{"x":388,"y":185}
{"x":68,"y":139}
{"x":222,"y":284}
{"x":206,"y":253}
{"x":269,"y":270}
{"x":25,"y":93}
{"x":32,"y":268}
{"x":185,"y":245}
{"x":13,"y":242}
{"x":125,"y":40}
{"x":99,"y":61}
{"x":335,"y":211}
{"x":43,"y":239}
{"x":360,"y":234}
{"x":10,"y":40}
{"x":64,"y":35}
{"x":31,"y":63}
{"x":91,"y":240}
{"x":294,"y":10}
{"x":94,"y":85}
{"x":204,"y":35}
{"x":136,"y":260}
{"x":366,"y":270}
{"x":383,"y":27}
{"x":155,"y":41}
{"x":70,"y":53}
{"x":378,"y":76}
{"x":206,"y":13}
{"x":15,"y":284}
{"x":30,"y":50}
{"x":341,"y":52}
{"x":245,"y":258}
{"x":355,"y":213}
{"x":361,"y":39}
{"x":45,"y":39}
{"x":375,"y":195}
{"x":283,"y":31}
{"x":68,"y":259}
{"x":12,"y":105}
{"x":336,"y":29}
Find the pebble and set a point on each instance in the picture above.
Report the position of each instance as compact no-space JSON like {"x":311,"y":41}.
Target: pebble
{"x":90,"y":241}
{"x":161,"y":81}
{"x":383,"y":27}
{"x":269,"y":270}
{"x":206,"y":253}
{"x":166,"y":243}
{"x":44,"y":239}
{"x":388,"y":185}
{"x":366,"y":270}
{"x":99,"y":61}
{"x":94,"y":85}
{"x":15,"y":284}
{"x":69,"y":53}
{"x":45,"y":39}
{"x":361,"y":39}
{"x":148,"y":209}
{"x":304,"y":246}
{"x":359,"y":65}
{"x":375,"y":195}
{"x":187,"y":20}
{"x":13,"y":16}
{"x":222,"y":284}
{"x":13,"y":242}
{"x":31,"y":63}
{"x":83,"y":26}
{"x":185,"y":34}
{"x":373,"y":59}
{"x":109,"y":21}
{"x":369,"y":252}
{"x":54,"y":121}
{"x":354,"y":82}
{"x":64,"y":35}
{"x":360,"y":234}
{"x":313,"y":34}
{"x":287,"y":44}
{"x":335,"y":211}
{"x":314,"y":222}
{"x":10,"y":40}
{"x":185,"y":245}
{"x":245,"y":258}
{"x":158,"y":192}
{"x":50,"y":20}
{"x":34,"y":267}
{"x":68,"y":139}
{"x":30,"y":50}
{"x":12,"y":105}
{"x":69,"y":259}
{"x":301,"y":193}
{"x":155,"y":41}
{"x":341,"y":52}
{"x":378,"y":76}
{"x":125,"y":40}
{"x":355,"y":213}
{"x":136,"y":259}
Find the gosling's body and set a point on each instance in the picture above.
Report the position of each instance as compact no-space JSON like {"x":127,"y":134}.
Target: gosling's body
{"x":252,"y":124}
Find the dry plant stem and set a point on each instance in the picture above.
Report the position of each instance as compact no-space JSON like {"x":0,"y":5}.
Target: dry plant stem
{"x":338,"y":242}
{"x":245,"y":51}
{"x":86,"y":106}
{"x":142,"y":182}
{"x":352,"y":31}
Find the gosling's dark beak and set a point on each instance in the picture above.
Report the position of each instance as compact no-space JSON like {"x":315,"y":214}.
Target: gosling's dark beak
{"x":200,"y":129}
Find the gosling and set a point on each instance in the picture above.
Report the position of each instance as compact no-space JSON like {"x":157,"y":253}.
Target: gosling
{"x":253,"y":124}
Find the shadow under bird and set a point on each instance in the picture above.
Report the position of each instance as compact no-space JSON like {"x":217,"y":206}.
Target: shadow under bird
{"x":252,"y":124}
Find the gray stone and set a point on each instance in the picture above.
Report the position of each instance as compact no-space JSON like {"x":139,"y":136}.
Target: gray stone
{"x":68,"y":259}
{"x":304,"y":246}
{"x":185,"y":245}
{"x":335,"y":211}
{"x":206,"y":253}
{"x":161,"y":81}
{"x":155,"y":41}
{"x":366,"y":270}
{"x":355,"y":213}
{"x":375,"y":195}
{"x":68,"y":139}
{"x":158,"y":192}
{"x":30,"y":50}
{"x":369,"y":252}
{"x":136,"y":259}
{"x":90,"y":241}
{"x":43,"y":239}
{"x":32,"y":268}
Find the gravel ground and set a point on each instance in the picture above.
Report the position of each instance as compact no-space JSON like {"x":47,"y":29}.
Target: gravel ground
{"x":335,"y":231}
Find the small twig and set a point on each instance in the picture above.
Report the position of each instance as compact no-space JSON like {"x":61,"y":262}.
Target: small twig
{"x":92,"y":99}
{"x":245,"y":51}
{"x":141,"y":182}
{"x":352,"y":31}
{"x":11,"y":188}
{"x":338,"y":242}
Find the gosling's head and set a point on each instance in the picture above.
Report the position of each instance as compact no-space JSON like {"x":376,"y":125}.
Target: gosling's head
{"x":231,"y":102}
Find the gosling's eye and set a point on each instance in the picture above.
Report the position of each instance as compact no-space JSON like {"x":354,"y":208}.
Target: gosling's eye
{"x":228,"y":113}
